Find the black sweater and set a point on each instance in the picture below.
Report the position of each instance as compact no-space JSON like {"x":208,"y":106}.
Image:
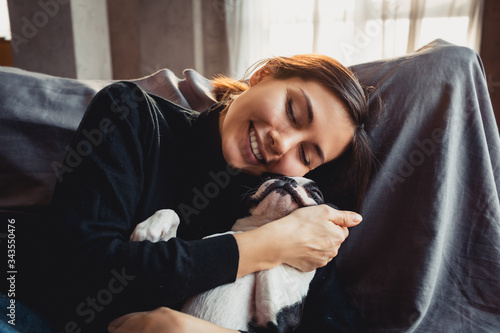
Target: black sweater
{"x":135,"y":154}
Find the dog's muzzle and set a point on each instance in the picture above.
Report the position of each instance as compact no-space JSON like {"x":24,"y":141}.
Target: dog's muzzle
{"x":289,"y":186}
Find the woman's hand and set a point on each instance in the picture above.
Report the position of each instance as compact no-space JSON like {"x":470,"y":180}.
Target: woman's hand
{"x":306,"y":239}
{"x":163,"y":320}
{"x":312,"y":236}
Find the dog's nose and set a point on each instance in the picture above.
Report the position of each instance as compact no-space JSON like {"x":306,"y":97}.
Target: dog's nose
{"x":285,"y":183}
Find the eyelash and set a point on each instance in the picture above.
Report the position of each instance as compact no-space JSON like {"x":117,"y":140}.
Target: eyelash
{"x":303,"y":157}
{"x":291,"y":115}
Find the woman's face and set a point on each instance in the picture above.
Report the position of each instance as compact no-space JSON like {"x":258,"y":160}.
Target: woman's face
{"x":286,"y":127}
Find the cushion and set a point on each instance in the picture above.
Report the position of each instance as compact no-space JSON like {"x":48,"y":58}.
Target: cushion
{"x":39,"y":115}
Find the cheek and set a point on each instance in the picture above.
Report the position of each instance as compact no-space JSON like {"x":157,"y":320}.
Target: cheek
{"x":231,"y":151}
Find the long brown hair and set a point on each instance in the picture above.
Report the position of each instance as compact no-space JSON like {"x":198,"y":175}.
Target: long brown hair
{"x":343,"y":180}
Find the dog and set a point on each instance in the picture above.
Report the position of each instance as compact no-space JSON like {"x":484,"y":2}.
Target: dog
{"x":271,"y":299}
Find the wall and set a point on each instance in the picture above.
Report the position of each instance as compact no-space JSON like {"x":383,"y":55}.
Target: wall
{"x":146,"y":38}
{"x":174,"y":34}
{"x":61,"y":38}
{"x":125,"y":42}
{"x":96,"y":39}
{"x":42,"y":37}
{"x":490,"y":51}
{"x":5,"y":53}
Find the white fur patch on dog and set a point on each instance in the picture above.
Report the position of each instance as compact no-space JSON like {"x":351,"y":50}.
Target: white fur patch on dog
{"x":231,"y":305}
{"x":279,"y":289}
{"x":160,"y":227}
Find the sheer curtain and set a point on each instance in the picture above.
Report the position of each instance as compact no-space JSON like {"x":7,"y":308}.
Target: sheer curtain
{"x":352,"y":31}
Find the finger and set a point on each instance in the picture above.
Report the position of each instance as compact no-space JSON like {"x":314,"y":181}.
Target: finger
{"x":346,"y":232}
{"x":344,"y":218}
{"x":341,"y":234}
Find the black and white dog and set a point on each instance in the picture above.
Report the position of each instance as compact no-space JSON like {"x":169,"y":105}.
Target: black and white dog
{"x":271,"y":298}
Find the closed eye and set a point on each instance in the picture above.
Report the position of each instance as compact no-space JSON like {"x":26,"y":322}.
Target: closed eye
{"x":291,"y":113}
{"x":303,"y":157}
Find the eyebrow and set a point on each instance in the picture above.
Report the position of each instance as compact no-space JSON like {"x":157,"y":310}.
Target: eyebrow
{"x":310,"y":117}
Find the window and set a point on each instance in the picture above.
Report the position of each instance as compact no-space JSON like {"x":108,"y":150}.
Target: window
{"x":351,"y":31}
{"x":4,"y":20}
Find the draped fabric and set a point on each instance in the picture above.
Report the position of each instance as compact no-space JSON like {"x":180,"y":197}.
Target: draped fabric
{"x":426,"y":258}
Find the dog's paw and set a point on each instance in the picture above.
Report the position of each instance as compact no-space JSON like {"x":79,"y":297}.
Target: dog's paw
{"x":160,"y":227}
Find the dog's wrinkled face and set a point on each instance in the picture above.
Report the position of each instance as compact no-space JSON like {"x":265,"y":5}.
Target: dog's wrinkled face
{"x":279,"y":196}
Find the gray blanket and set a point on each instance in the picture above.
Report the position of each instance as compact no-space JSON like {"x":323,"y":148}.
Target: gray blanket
{"x":427,"y":256}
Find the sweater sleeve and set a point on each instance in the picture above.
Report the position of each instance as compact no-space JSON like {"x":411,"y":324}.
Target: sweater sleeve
{"x":102,"y":187}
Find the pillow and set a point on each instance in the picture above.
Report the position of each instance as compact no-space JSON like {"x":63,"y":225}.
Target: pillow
{"x":39,"y":115}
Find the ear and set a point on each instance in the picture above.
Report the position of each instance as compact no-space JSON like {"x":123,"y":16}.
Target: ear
{"x":259,"y":75}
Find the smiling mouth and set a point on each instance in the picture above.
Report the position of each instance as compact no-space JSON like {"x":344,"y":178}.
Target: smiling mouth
{"x":254,"y":145}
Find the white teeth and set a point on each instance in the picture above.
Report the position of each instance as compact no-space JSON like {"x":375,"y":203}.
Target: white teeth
{"x":254,"y":144}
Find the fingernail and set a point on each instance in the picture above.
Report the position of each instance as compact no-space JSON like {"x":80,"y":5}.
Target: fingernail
{"x":356,"y":218}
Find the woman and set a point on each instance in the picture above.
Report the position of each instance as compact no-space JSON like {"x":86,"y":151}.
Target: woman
{"x":140,"y":154}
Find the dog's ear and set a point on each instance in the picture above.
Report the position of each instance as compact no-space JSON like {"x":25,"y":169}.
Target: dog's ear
{"x":314,"y":192}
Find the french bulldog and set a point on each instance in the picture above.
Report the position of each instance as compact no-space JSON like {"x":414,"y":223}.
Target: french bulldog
{"x":271,"y":299}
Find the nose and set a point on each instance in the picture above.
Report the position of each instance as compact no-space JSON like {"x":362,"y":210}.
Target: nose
{"x":282,"y":142}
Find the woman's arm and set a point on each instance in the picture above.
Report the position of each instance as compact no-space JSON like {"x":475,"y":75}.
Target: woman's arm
{"x":163,"y":320}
